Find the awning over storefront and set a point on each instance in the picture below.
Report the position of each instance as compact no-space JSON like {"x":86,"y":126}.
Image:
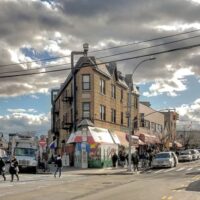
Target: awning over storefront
{"x":100,"y":135}
{"x":149,"y":139}
{"x":121,"y":138}
{"x":94,"y":135}
{"x":134,"y":140}
{"x":179,"y":145}
{"x":77,"y":137}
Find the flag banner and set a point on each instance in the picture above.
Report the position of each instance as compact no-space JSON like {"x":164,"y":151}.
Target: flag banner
{"x":52,"y":145}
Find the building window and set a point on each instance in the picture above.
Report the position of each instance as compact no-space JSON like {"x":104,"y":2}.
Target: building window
{"x":122,"y":95}
{"x":102,"y":112}
{"x":147,"y":124}
{"x":153,"y":126}
{"x":122,"y":118}
{"x":113,"y":91}
{"x":102,"y":86}
{"x":86,"y":110}
{"x":113,"y":115}
{"x":86,"y":82}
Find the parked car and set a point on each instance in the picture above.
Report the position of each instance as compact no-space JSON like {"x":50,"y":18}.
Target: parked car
{"x":165,"y":159}
{"x":195,"y":154}
{"x":185,"y":156}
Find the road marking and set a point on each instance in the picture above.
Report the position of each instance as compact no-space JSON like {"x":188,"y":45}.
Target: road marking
{"x":180,"y":169}
{"x":170,"y":197}
{"x":161,"y":170}
{"x":164,"y":197}
{"x":189,"y":169}
{"x":168,"y":170}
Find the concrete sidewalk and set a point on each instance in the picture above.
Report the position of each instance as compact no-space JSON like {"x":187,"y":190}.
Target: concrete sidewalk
{"x":102,"y":171}
{"x":92,"y":171}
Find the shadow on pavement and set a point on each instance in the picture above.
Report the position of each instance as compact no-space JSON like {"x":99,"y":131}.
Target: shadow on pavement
{"x":194,"y":186}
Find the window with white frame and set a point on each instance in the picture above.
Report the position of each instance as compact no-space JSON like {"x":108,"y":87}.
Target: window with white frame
{"x":102,"y":112}
{"x":86,"y":81}
{"x":113,"y":91}
{"x":86,"y":110}
{"x":102,"y":86}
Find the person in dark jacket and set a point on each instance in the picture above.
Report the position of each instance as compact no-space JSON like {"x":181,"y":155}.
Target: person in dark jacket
{"x":2,"y":168}
{"x":114,"y":159}
{"x":14,"y":169}
{"x":58,"y":164}
{"x":135,"y":160}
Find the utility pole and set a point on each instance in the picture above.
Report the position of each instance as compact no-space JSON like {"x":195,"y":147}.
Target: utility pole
{"x":129,"y":110}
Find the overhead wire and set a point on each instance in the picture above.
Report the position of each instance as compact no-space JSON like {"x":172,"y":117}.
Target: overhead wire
{"x":104,"y":49}
{"x":106,"y":62}
{"x":117,"y":54}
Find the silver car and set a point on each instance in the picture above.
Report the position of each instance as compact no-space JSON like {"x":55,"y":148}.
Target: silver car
{"x":165,"y":159}
{"x":185,"y":156}
{"x":195,"y":154}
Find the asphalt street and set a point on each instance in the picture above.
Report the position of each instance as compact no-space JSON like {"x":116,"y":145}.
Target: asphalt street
{"x":180,"y":183}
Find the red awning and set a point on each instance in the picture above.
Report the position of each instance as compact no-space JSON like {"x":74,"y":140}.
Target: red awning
{"x":149,"y":139}
{"x":78,"y":138}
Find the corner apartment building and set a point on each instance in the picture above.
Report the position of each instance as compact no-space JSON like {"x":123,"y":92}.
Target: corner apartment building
{"x":101,"y":96}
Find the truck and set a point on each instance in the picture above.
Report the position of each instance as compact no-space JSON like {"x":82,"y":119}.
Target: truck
{"x":24,"y":148}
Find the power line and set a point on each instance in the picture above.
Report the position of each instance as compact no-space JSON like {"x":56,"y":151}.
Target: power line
{"x":144,"y":48}
{"x":105,"y":49}
{"x":117,"y":60}
{"x":117,"y":54}
{"x":149,"y":40}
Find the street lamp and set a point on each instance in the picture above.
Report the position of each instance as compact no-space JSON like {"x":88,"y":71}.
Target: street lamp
{"x":129,"y":110}
{"x":73,"y":53}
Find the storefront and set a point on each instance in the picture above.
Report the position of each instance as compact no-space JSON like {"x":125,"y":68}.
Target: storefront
{"x":93,"y":148}
{"x":148,"y":142}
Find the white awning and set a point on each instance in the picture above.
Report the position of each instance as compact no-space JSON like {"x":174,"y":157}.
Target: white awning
{"x":101,"y":135}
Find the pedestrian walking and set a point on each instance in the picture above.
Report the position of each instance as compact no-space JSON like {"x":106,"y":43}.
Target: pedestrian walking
{"x":2,"y":168}
{"x":58,"y":165}
{"x":135,"y":160}
{"x":14,"y":169}
{"x":114,"y":159}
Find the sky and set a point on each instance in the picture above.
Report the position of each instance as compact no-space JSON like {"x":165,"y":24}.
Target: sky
{"x":43,"y":29}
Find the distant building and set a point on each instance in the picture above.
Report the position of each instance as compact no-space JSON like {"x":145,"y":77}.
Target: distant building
{"x":151,"y":126}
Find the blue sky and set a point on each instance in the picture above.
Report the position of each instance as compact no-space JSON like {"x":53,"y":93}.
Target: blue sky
{"x":55,"y":28}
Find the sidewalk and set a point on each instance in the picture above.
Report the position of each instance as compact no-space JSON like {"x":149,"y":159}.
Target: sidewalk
{"x":93,"y":171}
{"x":101,"y":171}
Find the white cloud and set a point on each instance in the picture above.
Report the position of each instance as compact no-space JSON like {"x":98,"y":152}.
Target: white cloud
{"x":34,"y":96}
{"x":172,"y":86}
{"x":189,"y":113}
{"x":22,"y":122}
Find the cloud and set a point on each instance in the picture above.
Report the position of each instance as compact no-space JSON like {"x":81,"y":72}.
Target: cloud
{"x":55,"y":28}
{"x":21,"y":121}
{"x":34,"y":96}
{"x":172,"y":86}
{"x":189,"y":114}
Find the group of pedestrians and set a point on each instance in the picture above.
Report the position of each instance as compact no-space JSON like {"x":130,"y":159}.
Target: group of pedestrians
{"x":145,"y":158}
{"x":13,"y":169}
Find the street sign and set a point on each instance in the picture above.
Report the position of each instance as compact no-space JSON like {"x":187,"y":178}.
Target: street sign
{"x":42,"y":143}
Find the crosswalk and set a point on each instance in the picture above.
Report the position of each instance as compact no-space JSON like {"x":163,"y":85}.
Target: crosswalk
{"x":188,"y":169}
